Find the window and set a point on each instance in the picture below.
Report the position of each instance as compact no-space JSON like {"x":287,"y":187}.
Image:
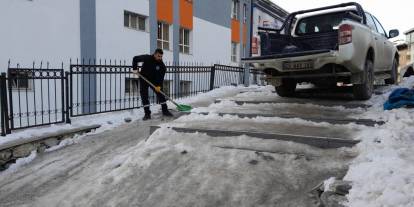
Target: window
{"x":320,"y":23}
{"x":370,"y":22}
{"x":135,"y":21}
{"x":166,"y":87}
{"x":244,"y":13}
{"x":21,"y":79}
{"x":185,"y":87}
{"x":381,"y":29}
{"x":234,"y":57}
{"x":244,"y":51}
{"x":131,"y":86}
{"x":163,"y":40}
{"x":184,"y":41}
{"x":235,"y":9}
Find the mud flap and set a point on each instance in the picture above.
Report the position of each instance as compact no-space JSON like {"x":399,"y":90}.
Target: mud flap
{"x":358,"y":78}
{"x":274,"y":81}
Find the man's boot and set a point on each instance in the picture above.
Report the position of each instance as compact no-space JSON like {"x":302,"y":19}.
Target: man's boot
{"x":167,"y":113}
{"x":165,"y":110}
{"x":146,"y":117}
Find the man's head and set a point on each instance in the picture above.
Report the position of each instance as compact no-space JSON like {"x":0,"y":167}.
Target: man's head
{"x":158,"y":54}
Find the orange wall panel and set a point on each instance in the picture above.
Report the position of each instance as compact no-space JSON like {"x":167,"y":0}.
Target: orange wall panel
{"x":186,"y":14}
{"x":165,"y":10}
{"x":235,"y":30}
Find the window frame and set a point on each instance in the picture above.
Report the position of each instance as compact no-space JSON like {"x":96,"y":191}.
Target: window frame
{"x":182,"y":41}
{"x":185,"y":87}
{"x":234,"y":52}
{"x":244,"y":13}
{"x":132,"y":83}
{"x":379,"y":27}
{"x":17,"y":77}
{"x":235,"y":9}
{"x":161,"y":42}
{"x":132,"y":16}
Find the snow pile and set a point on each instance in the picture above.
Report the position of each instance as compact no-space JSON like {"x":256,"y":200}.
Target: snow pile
{"x":196,"y":169}
{"x":383,"y":173}
{"x":106,"y":120}
{"x":20,"y":162}
{"x":222,"y":92}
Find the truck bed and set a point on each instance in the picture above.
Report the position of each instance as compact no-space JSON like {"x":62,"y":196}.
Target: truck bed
{"x":287,"y":46}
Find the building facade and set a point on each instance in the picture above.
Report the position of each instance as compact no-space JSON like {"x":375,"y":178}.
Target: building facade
{"x":204,"y":31}
{"x":410,"y":43}
{"x":49,"y":33}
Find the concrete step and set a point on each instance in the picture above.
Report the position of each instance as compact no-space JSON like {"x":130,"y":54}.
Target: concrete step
{"x":331,"y":120}
{"x":298,"y":101}
{"x":320,"y":142}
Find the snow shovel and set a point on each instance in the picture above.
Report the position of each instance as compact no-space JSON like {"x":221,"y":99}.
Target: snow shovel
{"x":180,"y":107}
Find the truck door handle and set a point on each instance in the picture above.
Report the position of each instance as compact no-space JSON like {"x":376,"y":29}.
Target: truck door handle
{"x":376,"y":38}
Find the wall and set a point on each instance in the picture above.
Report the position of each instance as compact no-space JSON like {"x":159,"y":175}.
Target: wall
{"x":39,"y":30}
{"x":114,"y":41}
{"x":211,"y":43}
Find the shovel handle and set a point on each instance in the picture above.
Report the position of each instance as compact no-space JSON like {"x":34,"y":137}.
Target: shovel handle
{"x":152,"y":85}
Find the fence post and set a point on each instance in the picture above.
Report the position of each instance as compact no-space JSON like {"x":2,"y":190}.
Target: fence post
{"x":246,"y":75}
{"x":213,"y":73}
{"x":11,"y":118}
{"x":67,"y":109}
{"x":5,"y":128}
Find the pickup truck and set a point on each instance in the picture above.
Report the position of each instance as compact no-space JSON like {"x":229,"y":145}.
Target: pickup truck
{"x":326,"y":46}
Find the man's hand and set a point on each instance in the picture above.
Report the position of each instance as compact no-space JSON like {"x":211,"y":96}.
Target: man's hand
{"x":157,"y":89}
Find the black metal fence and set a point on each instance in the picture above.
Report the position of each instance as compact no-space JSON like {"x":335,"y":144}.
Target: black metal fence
{"x":32,"y":97}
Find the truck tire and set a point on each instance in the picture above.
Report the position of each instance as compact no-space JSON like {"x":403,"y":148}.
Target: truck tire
{"x":364,"y":91}
{"x":394,"y":73}
{"x":287,"y":88}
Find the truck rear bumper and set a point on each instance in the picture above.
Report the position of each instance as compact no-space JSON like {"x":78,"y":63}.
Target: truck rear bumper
{"x":318,"y":58}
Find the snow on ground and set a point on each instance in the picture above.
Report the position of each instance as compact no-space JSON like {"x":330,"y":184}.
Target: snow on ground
{"x":175,"y":169}
{"x":309,"y":109}
{"x":383,"y":173}
{"x":114,"y":119}
{"x":108,"y":121}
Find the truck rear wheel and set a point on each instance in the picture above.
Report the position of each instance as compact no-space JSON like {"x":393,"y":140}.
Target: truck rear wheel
{"x":364,"y":91}
{"x":287,"y":88}
{"x":394,"y":73}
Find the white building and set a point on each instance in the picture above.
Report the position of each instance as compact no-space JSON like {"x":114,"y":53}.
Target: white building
{"x":206,"y":31}
{"x":57,"y":31}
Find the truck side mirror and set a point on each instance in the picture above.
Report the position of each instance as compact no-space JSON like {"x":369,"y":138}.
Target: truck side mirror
{"x":393,"y":33}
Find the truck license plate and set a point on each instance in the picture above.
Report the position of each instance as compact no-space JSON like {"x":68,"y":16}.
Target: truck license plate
{"x":298,"y":65}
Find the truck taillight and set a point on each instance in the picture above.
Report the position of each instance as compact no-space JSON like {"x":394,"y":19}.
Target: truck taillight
{"x":345,"y":34}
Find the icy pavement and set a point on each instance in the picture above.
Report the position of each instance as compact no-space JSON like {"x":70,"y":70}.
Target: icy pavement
{"x":125,"y":167}
{"x":266,"y":124}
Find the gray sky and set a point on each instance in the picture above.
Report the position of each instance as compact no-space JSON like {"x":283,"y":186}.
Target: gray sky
{"x":393,"y":14}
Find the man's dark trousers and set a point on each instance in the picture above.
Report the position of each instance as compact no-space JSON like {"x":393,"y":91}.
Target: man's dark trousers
{"x":144,"y":97}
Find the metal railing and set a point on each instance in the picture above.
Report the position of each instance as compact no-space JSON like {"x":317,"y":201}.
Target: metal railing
{"x":112,"y":86}
{"x":35,"y":96}
{"x":31,"y":97}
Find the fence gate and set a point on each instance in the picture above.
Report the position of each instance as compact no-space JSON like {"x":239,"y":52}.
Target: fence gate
{"x":35,"y":96}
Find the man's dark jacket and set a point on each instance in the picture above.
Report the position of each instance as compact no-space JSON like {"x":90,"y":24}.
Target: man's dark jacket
{"x":152,"y":69}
